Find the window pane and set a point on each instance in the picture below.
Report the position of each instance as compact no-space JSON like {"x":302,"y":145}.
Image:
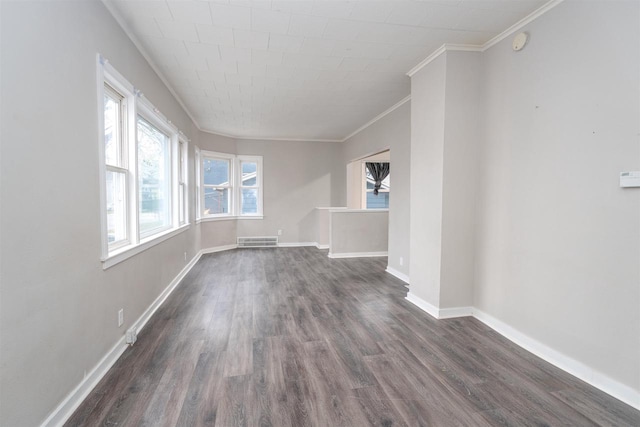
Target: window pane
{"x":154,"y":174}
{"x":381,"y":201}
{"x":112,"y":131}
{"x":116,"y":207}
{"x":249,"y":174}
{"x":250,"y":181}
{"x":249,"y":201}
{"x":216,"y":172}
{"x":216,"y":201}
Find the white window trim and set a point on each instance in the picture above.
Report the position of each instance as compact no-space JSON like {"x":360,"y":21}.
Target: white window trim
{"x":235,"y":178}
{"x":259,"y":186}
{"x":182,"y":172}
{"x":198,"y":184}
{"x":137,"y":105}
{"x":231,"y":184}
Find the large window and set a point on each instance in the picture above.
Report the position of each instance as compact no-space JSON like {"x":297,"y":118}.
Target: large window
{"x":230,"y":186}
{"x":143,"y":165}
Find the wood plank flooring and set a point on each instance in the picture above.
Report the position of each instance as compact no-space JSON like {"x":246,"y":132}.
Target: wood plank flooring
{"x":288,"y":337}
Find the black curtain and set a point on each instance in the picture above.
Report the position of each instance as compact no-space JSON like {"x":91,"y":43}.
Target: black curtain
{"x":378,"y":171}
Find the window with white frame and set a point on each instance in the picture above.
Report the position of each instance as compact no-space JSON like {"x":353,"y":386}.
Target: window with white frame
{"x":229,"y":186}
{"x":143,"y":165}
{"x":116,"y":167}
{"x":183,"y":202}
{"x":372,"y":200}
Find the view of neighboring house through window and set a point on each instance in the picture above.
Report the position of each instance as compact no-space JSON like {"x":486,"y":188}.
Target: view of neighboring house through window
{"x":381,"y":200}
{"x":217,"y":185}
{"x":230,"y":185}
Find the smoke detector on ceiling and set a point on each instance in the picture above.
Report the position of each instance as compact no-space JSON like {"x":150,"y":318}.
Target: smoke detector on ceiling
{"x":519,"y":41}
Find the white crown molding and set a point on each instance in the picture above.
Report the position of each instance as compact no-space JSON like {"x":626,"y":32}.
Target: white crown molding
{"x":136,"y":42}
{"x":436,"y":53}
{"x":483,"y":47}
{"x":265,"y":138}
{"x":445,"y":47}
{"x":521,"y":23}
{"x":378,"y":117}
{"x":251,"y":138}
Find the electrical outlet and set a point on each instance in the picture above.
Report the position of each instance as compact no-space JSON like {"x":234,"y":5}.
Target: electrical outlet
{"x":131,"y":336}
{"x":185,"y":256}
{"x":279,"y":232}
{"x":120,"y":317}
{"x":401,"y":261}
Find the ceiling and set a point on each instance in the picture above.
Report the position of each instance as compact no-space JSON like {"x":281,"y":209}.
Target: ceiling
{"x":309,"y":70}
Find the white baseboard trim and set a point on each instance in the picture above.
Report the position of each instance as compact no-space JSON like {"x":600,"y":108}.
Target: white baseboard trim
{"x":357,"y":254}
{"x":392,"y":271}
{"x":218,"y":249}
{"x":578,"y":369}
{"x":453,"y":312}
{"x":67,"y":407}
{"x":439,"y":313}
{"x":319,"y":246}
{"x":73,"y":400}
{"x":430,"y":309}
{"x":155,"y":305}
{"x":296,"y":244}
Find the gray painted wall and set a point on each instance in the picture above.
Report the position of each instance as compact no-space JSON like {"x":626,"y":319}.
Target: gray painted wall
{"x":427,"y":169}
{"x":558,"y":243}
{"x":357,"y":231}
{"x":459,"y":184}
{"x":444,"y":156}
{"x":297,"y":179}
{"x":58,"y":311}
{"x":392,"y":132}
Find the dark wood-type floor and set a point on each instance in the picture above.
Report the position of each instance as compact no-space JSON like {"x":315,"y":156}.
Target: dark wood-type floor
{"x":288,"y":337}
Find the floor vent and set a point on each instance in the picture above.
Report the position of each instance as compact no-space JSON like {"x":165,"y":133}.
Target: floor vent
{"x":258,"y":242}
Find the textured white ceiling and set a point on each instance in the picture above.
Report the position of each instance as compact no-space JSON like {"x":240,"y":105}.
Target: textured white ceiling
{"x":315,"y":69}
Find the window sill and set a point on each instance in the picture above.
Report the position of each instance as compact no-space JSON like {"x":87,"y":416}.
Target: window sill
{"x":127,"y":252}
{"x":227,"y":218}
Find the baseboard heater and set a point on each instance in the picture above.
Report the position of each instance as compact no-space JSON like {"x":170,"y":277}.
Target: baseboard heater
{"x":258,"y":242}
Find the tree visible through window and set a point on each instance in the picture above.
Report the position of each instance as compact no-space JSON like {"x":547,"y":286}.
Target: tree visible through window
{"x":154,"y":176}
